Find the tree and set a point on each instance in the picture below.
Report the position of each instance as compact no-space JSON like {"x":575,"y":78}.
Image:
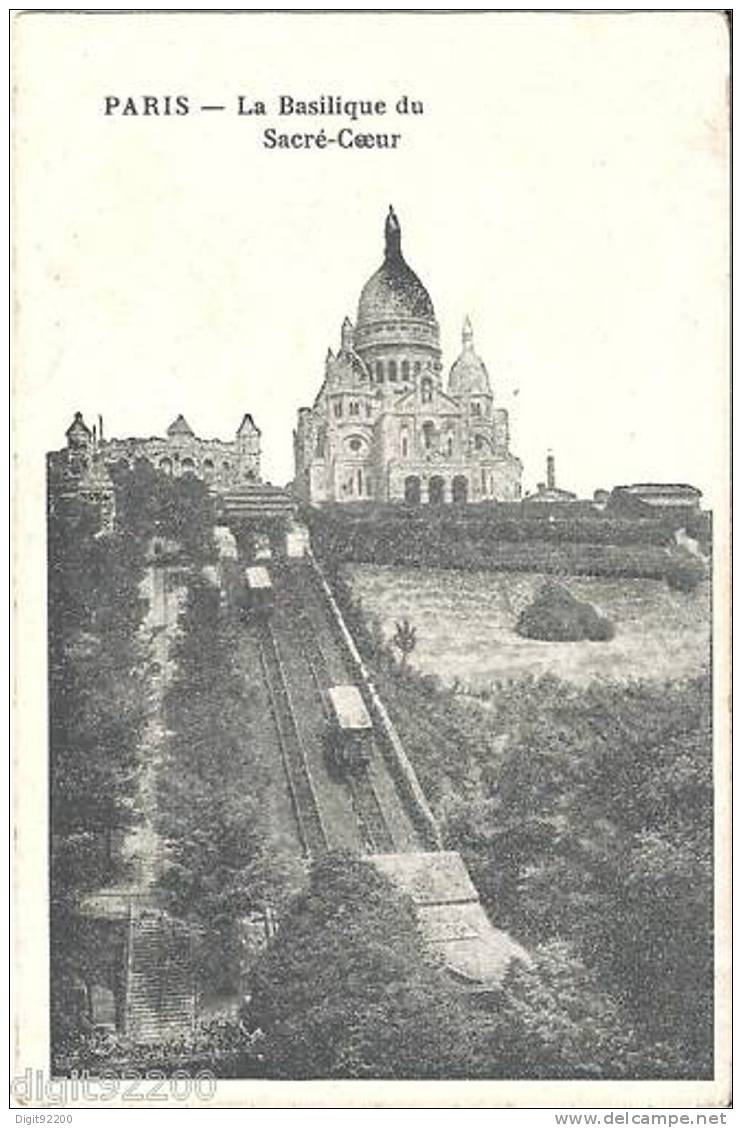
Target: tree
{"x":405,"y":639}
{"x":212,"y":789}
{"x":347,"y":988}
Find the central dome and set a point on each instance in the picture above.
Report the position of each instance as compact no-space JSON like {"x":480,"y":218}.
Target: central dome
{"x":394,"y":292}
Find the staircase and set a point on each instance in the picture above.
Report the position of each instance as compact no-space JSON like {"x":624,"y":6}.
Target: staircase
{"x":160,"y":999}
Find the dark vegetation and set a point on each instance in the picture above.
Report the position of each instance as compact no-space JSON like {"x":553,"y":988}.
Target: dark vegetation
{"x":684,"y":572}
{"x":212,"y":798}
{"x":585,"y":817}
{"x":503,"y":536}
{"x":555,"y":615}
{"x":347,"y":990}
{"x":99,"y":678}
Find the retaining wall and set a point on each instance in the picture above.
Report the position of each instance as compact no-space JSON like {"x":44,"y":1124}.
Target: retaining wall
{"x":399,"y":764}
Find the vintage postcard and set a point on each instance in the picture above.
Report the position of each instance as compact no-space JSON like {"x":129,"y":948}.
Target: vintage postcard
{"x":371,"y":543}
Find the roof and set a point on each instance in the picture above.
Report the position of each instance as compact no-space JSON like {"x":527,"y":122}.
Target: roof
{"x":435,"y":878}
{"x":257,"y":577}
{"x":179,"y":426}
{"x":248,"y":425}
{"x":451,"y":916}
{"x":394,"y":291}
{"x":661,"y":489}
{"x":348,"y":707}
{"x":78,"y":426}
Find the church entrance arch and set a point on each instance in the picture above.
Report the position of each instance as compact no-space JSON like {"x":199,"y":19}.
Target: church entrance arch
{"x":460,"y":489}
{"x":436,"y":488}
{"x":412,"y":490}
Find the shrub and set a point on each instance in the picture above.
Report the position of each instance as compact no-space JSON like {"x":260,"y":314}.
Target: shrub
{"x":684,"y":573}
{"x":557,"y":616}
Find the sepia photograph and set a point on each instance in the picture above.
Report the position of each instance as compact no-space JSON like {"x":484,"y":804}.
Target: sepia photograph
{"x":371,"y":514}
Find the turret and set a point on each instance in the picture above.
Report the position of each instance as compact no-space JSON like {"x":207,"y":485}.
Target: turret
{"x":550,"y":471}
{"x":79,"y":435}
{"x":346,"y":336}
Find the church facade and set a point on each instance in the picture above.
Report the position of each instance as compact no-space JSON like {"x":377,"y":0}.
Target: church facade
{"x":385,"y":426}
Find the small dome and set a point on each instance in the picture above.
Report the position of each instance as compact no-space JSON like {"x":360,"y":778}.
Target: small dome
{"x":468,"y":374}
{"x":394,"y":292}
{"x":78,"y":428}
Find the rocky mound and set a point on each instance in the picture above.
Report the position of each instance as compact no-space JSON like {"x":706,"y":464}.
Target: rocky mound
{"x":555,"y":615}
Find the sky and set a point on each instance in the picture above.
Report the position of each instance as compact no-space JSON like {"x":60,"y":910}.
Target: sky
{"x":566,"y":186}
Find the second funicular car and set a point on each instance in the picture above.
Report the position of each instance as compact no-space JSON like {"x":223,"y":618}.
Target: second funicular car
{"x":258,"y":592}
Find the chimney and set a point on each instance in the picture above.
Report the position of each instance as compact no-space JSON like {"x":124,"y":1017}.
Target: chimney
{"x":550,"y":472}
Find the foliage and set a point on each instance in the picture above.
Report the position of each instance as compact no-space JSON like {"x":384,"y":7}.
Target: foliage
{"x":504,"y":536}
{"x":555,"y":615}
{"x":405,"y":639}
{"x":219,"y":1045}
{"x":585,"y":817}
{"x":347,"y":989}
{"x":97,"y":708}
{"x":99,"y":686}
{"x":684,"y":572}
{"x":212,"y":809}
{"x":150,"y":503}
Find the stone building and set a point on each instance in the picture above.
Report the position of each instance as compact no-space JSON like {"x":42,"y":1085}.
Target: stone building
{"x":385,"y":425}
{"x":80,"y":473}
{"x":224,"y":465}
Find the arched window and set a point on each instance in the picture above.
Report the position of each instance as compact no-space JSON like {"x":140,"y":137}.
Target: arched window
{"x":392,"y":370}
{"x":404,"y":442}
{"x":353,"y":407}
{"x":359,"y":477}
{"x":405,"y":369}
{"x":380,"y":371}
{"x":418,"y":367}
{"x":429,"y":435}
{"x":449,"y":444}
{"x":338,"y":409}
{"x":476,"y":408}
{"x":478,"y":442}
{"x":427,"y":390}
{"x":320,"y":443}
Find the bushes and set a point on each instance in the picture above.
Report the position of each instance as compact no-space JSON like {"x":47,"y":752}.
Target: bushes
{"x":448,"y":538}
{"x":684,"y":572}
{"x":557,"y":616}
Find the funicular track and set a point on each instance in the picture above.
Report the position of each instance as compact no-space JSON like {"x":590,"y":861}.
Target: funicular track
{"x":311,"y":828}
{"x":310,"y":625}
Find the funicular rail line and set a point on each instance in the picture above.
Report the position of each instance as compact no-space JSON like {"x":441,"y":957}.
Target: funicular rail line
{"x":363,"y":793}
{"x":307,"y":810}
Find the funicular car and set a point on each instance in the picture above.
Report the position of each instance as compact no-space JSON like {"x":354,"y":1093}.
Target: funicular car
{"x":349,"y":729}
{"x":258,"y":592}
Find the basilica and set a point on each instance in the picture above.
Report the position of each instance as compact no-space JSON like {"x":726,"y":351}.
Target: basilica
{"x":385,"y":426}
